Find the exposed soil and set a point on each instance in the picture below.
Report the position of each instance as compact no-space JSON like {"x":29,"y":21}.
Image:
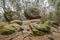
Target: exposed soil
{"x":19,"y":36}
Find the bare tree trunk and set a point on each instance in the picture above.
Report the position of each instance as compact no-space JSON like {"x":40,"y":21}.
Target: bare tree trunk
{"x":4,"y":5}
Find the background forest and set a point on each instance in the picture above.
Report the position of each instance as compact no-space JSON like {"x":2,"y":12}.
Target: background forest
{"x":50,"y":9}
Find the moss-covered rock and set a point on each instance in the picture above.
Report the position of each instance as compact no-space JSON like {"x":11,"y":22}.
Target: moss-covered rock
{"x":32,"y":13}
{"x":10,"y":28}
{"x":36,"y":31}
{"x":42,"y":27}
{"x":8,"y":32}
{"x":11,"y":15}
{"x":8,"y":15}
{"x":16,"y":21}
{"x":39,"y":29}
{"x":15,"y":26}
{"x":7,"y":29}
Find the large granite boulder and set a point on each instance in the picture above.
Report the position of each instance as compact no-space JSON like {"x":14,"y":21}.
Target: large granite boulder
{"x":32,"y":13}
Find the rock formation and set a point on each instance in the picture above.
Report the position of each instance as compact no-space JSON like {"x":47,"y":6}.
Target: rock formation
{"x":32,"y":13}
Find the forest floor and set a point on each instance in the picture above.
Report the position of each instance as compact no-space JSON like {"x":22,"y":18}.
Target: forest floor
{"x":19,"y":36}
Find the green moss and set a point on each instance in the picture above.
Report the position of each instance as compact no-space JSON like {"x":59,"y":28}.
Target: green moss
{"x":40,"y":29}
{"x":16,"y":21}
{"x":37,"y":32}
{"x":8,"y":32}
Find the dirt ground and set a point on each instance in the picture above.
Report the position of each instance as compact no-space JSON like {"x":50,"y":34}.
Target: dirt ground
{"x":19,"y":36}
